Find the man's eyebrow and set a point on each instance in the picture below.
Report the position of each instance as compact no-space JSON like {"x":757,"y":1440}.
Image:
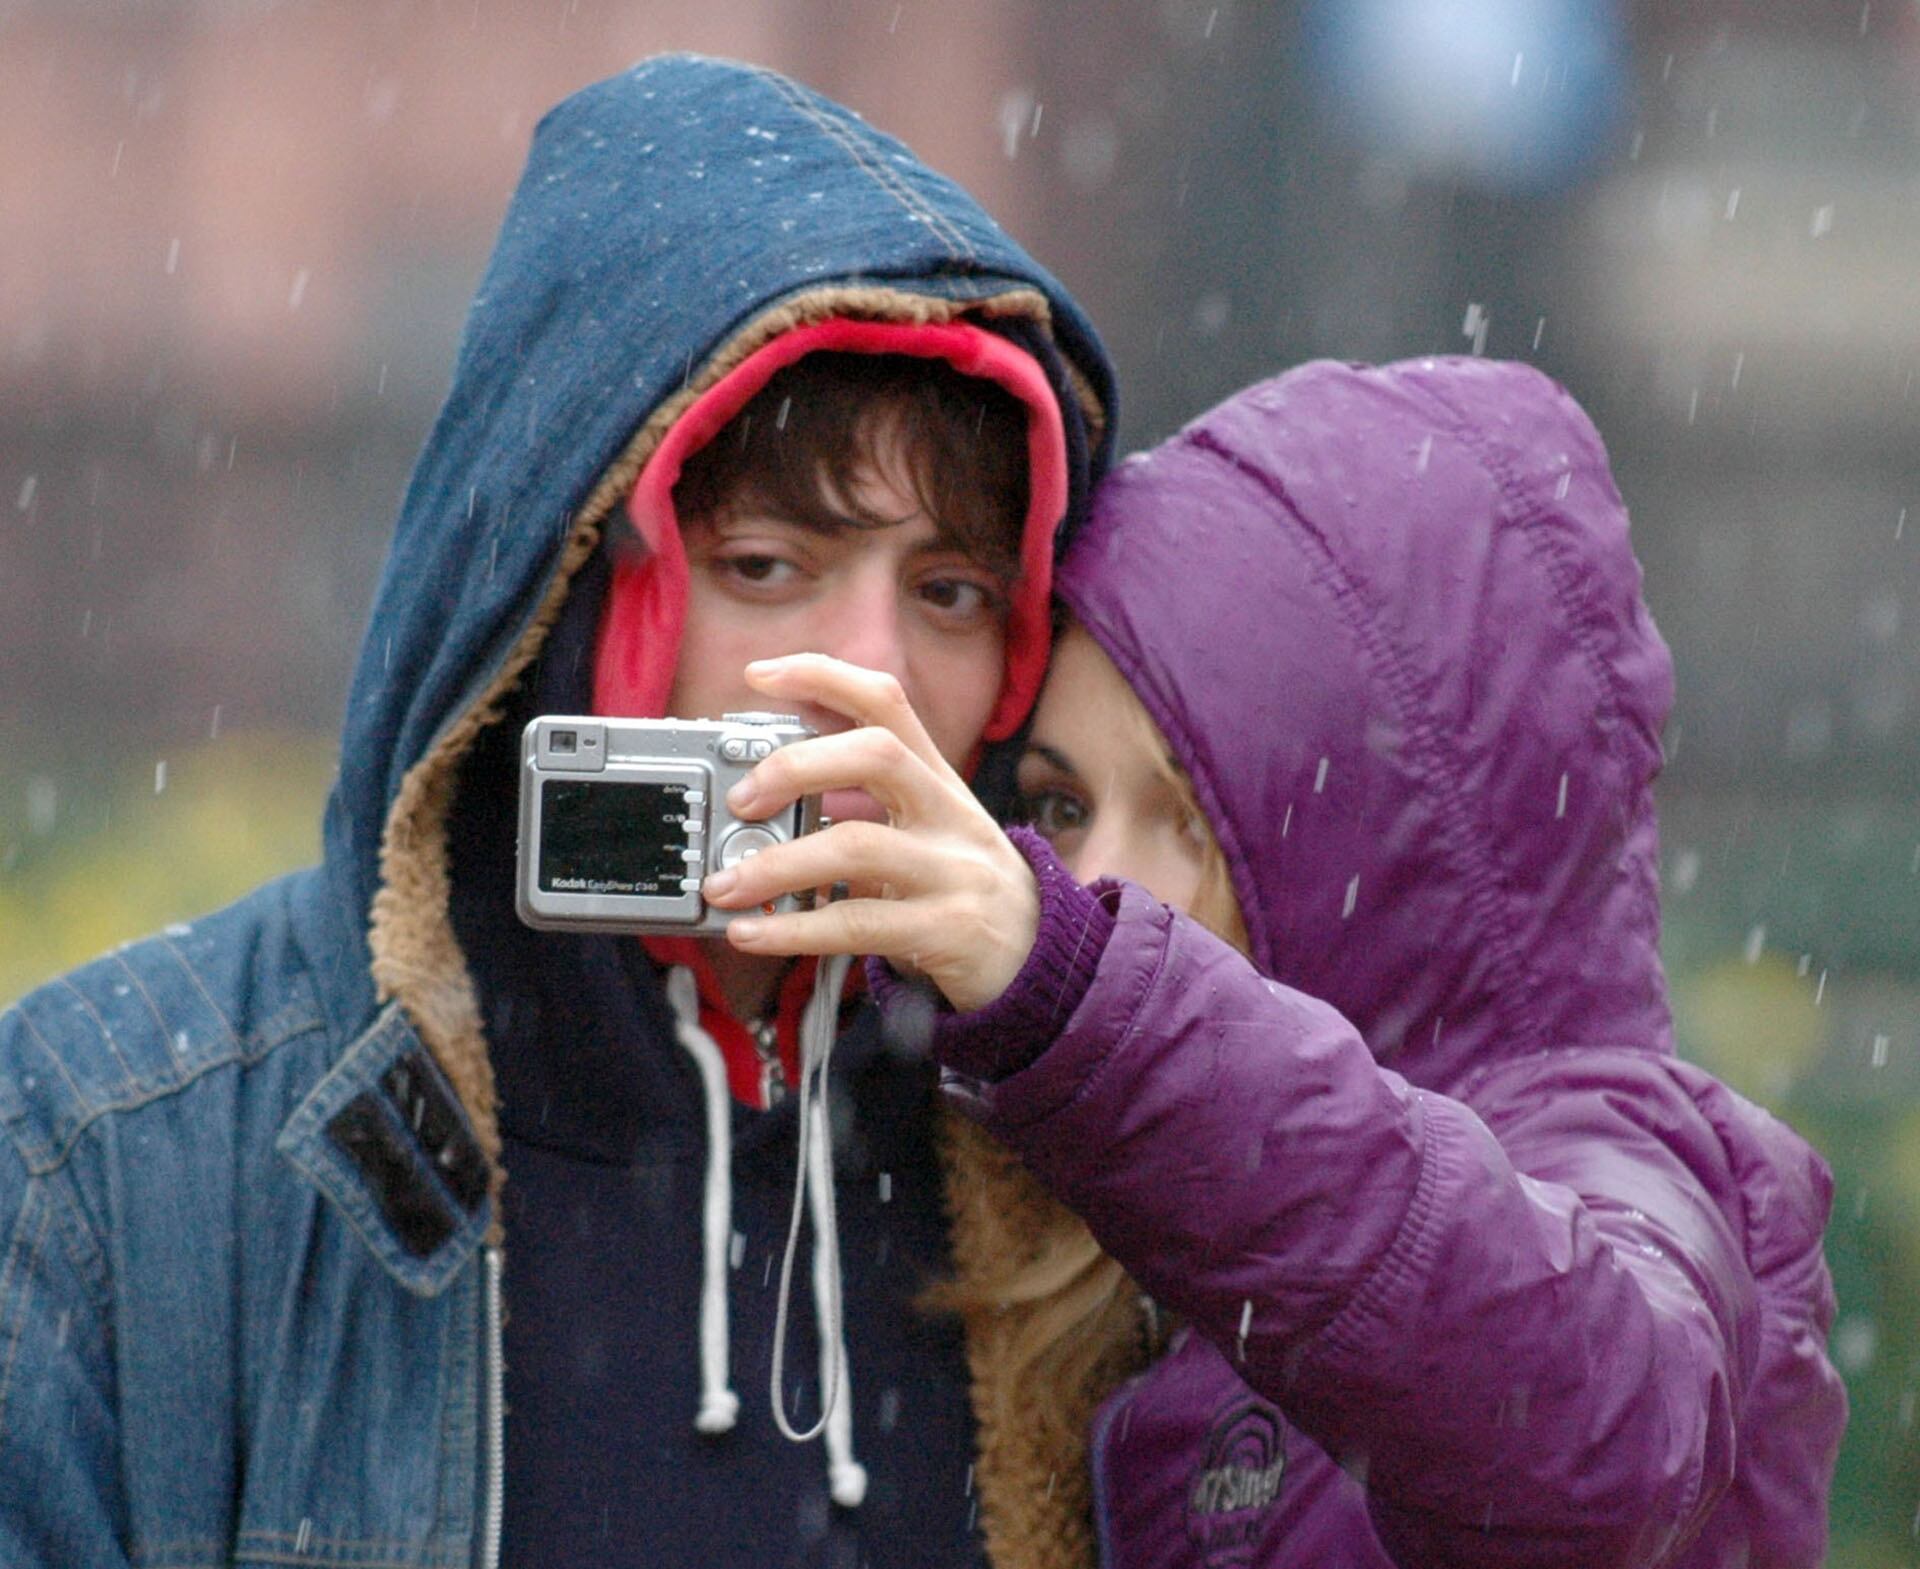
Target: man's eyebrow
{"x":943,"y":539}
{"x":1004,"y":567}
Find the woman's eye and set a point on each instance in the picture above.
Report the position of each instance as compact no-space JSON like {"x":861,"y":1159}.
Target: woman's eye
{"x":1051,"y":813}
{"x":1194,"y":830}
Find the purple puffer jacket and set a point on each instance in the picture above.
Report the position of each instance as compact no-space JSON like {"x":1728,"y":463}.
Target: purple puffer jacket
{"x":1475,"y":1271}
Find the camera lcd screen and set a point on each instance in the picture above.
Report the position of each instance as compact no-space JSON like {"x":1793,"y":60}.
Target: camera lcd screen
{"x":598,"y":837}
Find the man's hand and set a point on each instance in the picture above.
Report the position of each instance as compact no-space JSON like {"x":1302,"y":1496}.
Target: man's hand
{"x":937,"y":889}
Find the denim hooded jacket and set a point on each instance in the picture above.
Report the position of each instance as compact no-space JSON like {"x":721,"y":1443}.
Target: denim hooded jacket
{"x":249,"y":1240}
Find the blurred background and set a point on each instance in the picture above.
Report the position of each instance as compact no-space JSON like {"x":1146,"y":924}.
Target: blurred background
{"x":237,"y":239}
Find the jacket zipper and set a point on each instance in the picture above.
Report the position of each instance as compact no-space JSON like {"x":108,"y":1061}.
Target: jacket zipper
{"x":494,"y":1439}
{"x":1097,"y":1463}
{"x":773,"y":1077}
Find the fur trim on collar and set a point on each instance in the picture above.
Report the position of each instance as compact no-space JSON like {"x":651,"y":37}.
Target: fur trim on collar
{"x":1033,"y":1477}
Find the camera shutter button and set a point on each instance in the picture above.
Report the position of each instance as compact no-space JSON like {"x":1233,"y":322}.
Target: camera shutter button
{"x":743,"y":842}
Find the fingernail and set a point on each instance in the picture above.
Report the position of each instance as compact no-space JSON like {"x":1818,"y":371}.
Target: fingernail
{"x":745,"y":929}
{"x":720,"y":884}
{"x":740,"y":797}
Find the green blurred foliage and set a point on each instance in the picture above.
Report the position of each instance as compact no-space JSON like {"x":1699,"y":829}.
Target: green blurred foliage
{"x":1793,"y":948}
{"x":182,"y":839}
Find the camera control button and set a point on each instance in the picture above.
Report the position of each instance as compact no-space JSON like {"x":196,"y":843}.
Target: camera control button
{"x":743,"y":842}
{"x":759,"y":749}
{"x":734,"y":749}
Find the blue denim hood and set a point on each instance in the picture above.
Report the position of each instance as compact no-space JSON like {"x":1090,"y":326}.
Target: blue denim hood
{"x":670,"y":220}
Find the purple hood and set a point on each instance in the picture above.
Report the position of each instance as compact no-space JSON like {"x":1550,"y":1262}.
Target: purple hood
{"x":1436,"y":807}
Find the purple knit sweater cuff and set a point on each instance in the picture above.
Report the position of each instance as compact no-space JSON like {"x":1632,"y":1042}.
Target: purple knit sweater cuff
{"x":1012,"y":1030}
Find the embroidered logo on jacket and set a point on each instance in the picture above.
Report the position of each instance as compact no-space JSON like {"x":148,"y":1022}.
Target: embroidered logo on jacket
{"x":1229,"y":1499}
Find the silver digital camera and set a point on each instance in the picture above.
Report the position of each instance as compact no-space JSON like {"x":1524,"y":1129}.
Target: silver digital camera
{"x":621,"y":819}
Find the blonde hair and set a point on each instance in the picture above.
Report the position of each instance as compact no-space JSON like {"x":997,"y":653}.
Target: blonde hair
{"x":1061,"y":1314}
{"x":1214,"y":904}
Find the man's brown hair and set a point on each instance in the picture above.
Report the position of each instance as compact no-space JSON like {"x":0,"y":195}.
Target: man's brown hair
{"x":958,"y":443}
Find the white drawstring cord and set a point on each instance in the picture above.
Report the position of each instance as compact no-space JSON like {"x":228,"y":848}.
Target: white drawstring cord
{"x":719,"y":1405}
{"x":847,"y":1478}
{"x":813,"y":1188}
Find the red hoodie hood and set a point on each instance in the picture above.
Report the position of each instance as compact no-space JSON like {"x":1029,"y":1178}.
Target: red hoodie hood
{"x":640,"y":630}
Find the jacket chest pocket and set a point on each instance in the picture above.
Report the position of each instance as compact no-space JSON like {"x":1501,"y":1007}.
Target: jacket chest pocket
{"x":362,"y":1433}
{"x":1190,"y":1466}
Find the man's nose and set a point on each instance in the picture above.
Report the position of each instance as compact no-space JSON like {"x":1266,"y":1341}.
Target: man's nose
{"x":867,"y":625}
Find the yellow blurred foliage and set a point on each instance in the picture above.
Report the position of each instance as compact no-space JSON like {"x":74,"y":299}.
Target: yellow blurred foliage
{"x":232,"y":814}
{"x":1899,"y":1171}
{"x":1756,"y":1024}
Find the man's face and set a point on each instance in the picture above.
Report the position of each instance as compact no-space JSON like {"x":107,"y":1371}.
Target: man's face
{"x":900,"y":599}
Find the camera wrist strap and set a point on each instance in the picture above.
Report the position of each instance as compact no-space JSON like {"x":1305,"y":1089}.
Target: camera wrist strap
{"x":813,"y":1189}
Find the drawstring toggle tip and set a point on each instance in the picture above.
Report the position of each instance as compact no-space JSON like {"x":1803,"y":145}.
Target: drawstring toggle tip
{"x":847,"y":1481}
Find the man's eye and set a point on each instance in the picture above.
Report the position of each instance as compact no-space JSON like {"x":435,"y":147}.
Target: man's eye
{"x":761,"y":570}
{"x":1051,"y":813}
{"x":965,"y":596}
